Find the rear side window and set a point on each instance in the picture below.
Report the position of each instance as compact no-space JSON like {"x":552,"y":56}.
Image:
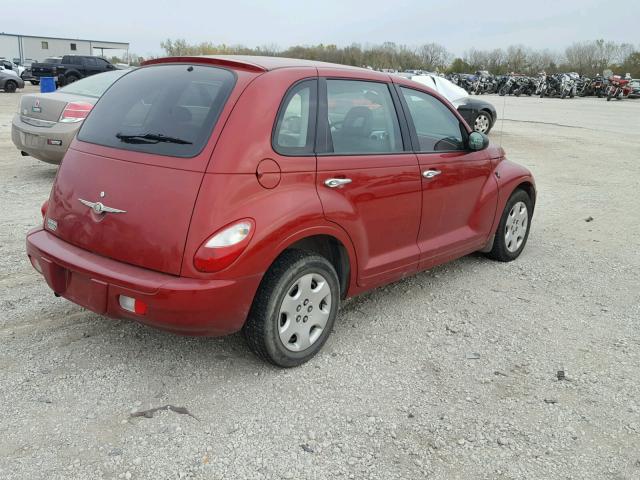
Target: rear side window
{"x":362,"y":118}
{"x":165,"y":110}
{"x":436,"y":127}
{"x":294,"y":133}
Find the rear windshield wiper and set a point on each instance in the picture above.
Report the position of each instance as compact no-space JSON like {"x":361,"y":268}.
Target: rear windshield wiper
{"x":151,"y":138}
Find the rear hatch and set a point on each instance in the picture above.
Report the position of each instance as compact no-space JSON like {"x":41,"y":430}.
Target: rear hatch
{"x":126,"y":190}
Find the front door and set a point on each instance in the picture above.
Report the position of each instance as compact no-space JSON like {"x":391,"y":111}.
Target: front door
{"x":458,"y":189}
{"x":367,"y":181}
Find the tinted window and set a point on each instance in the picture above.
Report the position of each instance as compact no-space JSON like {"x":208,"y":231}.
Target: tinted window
{"x":179,"y":102}
{"x":95,"y":85}
{"x":295,"y":127}
{"x":362,"y":118}
{"x":90,"y":62}
{"x":437,"y":128}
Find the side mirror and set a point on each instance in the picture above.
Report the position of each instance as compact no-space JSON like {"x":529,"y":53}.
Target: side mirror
{"x":478,"y":141}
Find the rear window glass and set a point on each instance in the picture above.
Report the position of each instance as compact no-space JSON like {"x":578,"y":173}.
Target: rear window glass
{"x":164,"y":110}
{"x":95,"y":85}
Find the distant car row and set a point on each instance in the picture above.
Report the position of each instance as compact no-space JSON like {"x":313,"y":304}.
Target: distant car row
{"x":65,"y":70}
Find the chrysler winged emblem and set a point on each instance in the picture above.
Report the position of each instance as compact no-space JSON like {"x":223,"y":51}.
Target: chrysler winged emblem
{"x":99,"y":207}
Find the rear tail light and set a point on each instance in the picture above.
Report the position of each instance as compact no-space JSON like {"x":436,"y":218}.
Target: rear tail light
{"x":75,"y":112}
{"x":36,"y":264}
{"x":44,"y":208}
{"x":132,"y":304}
{"x":224,"y":247}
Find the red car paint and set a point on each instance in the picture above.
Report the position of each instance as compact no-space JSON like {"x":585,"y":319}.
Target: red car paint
{"x":390,"y":221}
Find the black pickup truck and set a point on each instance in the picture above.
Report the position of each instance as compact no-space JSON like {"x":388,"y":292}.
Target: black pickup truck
{"x":70,"y":68}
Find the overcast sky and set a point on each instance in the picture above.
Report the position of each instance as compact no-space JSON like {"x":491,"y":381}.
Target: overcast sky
{"x":455,"y":24}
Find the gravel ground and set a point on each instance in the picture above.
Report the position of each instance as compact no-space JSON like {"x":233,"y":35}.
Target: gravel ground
{"x":449,"y":374}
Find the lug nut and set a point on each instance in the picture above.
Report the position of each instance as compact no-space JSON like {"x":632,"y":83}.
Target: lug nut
{"x":298,"y":318}
{"x":298,"y":308}
{"x":310,"y":308}
{"x":305,"y":319}
{"x":306,"y":301}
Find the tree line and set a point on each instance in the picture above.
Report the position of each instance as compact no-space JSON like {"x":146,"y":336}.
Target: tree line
{"x":587,"y":58}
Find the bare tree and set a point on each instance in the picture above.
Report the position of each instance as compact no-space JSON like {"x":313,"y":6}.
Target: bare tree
{"x":434,"y":56}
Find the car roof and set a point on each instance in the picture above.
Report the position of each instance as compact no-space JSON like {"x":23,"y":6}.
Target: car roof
{"x":252,"y":62}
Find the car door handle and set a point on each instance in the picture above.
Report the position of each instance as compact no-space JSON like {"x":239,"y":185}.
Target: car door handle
{"x":336,"y":182}
{"x":431,"y":173}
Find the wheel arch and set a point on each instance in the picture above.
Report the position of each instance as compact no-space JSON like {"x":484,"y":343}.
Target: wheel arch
{"x":332,"y":248}
{"x":530,"y":190}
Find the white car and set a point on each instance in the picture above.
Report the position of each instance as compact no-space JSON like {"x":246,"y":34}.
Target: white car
{"x":7,"y":67}
{"x":479,"y":114}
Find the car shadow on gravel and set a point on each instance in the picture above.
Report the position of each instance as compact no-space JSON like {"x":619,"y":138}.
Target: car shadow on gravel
{"x":147,"y":347}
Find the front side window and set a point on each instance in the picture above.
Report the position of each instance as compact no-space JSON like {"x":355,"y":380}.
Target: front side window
{"x":436,"y":127}
{"x":90,"y":62}
{"x":295,"y":127}
{"x":163,"y":109}
{"x":362,"y":118}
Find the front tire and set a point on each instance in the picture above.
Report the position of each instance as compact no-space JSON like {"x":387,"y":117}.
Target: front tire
{"x":513,"y":229}
{"x":294,"y":309}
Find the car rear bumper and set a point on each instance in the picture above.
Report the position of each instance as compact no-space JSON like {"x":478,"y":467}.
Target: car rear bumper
{"x":177,"y":304}
{"x":35,"y":140}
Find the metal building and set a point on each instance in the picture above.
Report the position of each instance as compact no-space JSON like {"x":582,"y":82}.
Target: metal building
{"x":21,"y":48}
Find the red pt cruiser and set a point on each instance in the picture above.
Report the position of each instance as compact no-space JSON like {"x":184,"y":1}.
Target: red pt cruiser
{"x":208,"y":195}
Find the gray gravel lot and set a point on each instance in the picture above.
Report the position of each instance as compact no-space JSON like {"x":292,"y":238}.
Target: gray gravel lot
{"x":450,"y":374}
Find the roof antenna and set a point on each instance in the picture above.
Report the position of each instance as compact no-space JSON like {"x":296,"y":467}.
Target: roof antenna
{"x":504,"y":106}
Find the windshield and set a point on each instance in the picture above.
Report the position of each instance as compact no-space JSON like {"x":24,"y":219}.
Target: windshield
{"x":95,"y":85}
{"x":163,"y":109}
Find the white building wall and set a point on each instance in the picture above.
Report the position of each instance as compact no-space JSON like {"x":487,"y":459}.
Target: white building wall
{"x":32,"y":47}
{"x":9,"y":47}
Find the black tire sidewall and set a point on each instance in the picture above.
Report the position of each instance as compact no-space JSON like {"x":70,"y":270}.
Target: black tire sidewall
{"x":295,"y":267}
{"x":500,"y":251}
{"x":10,"y":86}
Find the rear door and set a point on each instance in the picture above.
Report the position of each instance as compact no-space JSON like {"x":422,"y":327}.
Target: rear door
{"x":368,"y":181}
{"x":458,"y":188}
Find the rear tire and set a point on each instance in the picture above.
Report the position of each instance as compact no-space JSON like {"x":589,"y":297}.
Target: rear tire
{"x":483,"y":122}
{"x":294,"y":309}
{"x":513,"y":229}
{"x":70,"y":79}
{"x":10,"y":86}
{"x":34,"y":82}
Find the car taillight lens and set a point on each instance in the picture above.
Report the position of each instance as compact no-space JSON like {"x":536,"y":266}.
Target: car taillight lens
{"x":132,"y":305}
{"x":222,"y":248}
{"x":75,"y":112}
{"x":44,"y":208}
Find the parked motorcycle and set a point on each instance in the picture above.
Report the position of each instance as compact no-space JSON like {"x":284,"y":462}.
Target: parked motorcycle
{"x":593,"y":87}
{"x":509,"y":86}
{"x":526,"y":86}
{"x":619,"y":87}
